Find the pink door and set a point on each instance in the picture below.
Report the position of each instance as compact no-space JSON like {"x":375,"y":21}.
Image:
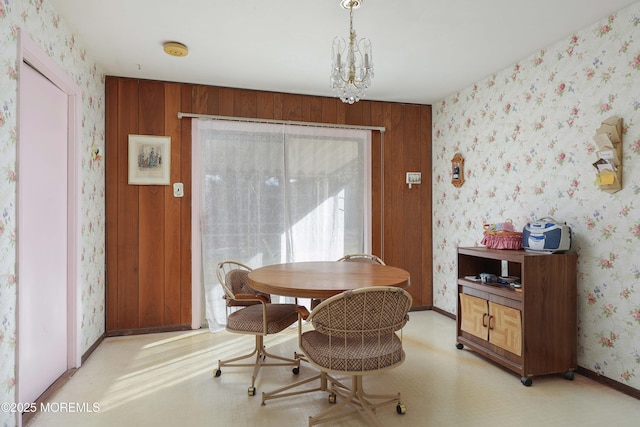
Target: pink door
{"x":42,"y":234}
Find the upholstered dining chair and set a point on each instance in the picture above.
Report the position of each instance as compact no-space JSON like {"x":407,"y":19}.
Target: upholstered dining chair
{"x":355,"y":333}
{"x":252,"y":312}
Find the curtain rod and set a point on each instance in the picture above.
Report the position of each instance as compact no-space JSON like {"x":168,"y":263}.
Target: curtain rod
{"x":381,"y":129}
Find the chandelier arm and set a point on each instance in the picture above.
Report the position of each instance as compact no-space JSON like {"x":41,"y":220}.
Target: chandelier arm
{"x":354,"y":82}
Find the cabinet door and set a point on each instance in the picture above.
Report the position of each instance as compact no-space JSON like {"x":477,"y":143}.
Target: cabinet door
{"x":506,"y":328}
{"x":474,"y":317}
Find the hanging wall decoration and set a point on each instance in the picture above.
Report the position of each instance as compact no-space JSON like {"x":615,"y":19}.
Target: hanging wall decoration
{"x":149,"y":159}
{"x":457,"y":170}
{"x":608,"y":139}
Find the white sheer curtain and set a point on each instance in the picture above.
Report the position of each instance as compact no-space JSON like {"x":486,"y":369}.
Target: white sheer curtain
{"x":274,"y":193}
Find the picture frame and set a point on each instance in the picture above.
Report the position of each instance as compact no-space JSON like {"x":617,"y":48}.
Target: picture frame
{"x":149,"y":160}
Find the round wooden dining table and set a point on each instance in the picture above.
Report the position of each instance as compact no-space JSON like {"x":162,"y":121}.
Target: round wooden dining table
{"x":324,"y":279}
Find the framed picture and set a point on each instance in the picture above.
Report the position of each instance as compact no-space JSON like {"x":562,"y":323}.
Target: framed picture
{"x":149,"y":160}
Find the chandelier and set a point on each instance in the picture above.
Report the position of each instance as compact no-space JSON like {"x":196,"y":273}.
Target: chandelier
{"x":352,"y":62}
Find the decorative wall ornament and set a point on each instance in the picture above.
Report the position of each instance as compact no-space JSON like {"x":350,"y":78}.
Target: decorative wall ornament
{"x":608,"y":139}
{"x":457,"y":170}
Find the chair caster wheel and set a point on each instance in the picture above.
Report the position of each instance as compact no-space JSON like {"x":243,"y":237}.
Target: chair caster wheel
{"x":251,"y":391}
{"x":332,"y":398}
{"x":295,"y":370}
{"x":401,"y":409}
{"x":217,"y":373}
{"x":459,"y":346}
{"x":526,"y":381}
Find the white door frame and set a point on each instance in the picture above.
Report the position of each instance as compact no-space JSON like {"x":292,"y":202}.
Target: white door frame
{"x":30,"y":52}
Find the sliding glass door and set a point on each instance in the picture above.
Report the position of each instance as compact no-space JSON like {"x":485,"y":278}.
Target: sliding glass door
{"x":274,"y":193}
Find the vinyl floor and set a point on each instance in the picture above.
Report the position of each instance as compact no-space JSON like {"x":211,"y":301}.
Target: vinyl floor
{"x":166,"y":380}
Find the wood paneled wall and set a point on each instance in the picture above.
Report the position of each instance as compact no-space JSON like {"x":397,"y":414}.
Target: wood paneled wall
{"x":148,"y":230}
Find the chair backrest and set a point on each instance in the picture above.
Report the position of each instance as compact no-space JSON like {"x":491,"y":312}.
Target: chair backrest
{"x":234,"y":278}
{"x":365,"y":312}
{"x":368,"y":258}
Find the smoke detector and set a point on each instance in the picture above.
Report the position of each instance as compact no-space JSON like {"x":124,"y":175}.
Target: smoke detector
{"x":175,"y":49}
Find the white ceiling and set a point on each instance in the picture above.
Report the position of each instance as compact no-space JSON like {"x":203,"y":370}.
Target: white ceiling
{"x":424,"y":50}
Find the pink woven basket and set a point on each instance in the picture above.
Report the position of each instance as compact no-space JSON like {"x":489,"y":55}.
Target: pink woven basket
{"x":502,"y":240}
{"x":501,"y":236}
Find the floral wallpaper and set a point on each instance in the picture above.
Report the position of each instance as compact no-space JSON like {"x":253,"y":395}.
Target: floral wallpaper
{"x":526,"y":134}
{"x":41,"y":23}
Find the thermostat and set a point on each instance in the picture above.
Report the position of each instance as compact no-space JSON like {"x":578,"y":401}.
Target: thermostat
{"x":414,"y":178}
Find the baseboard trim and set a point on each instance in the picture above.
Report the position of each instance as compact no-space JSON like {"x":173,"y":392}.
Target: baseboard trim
{"x":622,"y":388}
{"x":62,"y":380}
{"x":44,"y":397}
{"x":153,"y":330}
{"x":444,"y":313}
{"x":91,"y":349}
{"x":421,"y":308}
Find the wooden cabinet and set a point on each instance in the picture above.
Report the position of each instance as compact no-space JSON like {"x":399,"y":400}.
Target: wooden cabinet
{"x":531,"y":331}
{"x":500,"y":325}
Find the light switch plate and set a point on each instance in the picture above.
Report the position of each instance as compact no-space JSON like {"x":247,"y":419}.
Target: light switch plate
{"x":178,"y":189}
